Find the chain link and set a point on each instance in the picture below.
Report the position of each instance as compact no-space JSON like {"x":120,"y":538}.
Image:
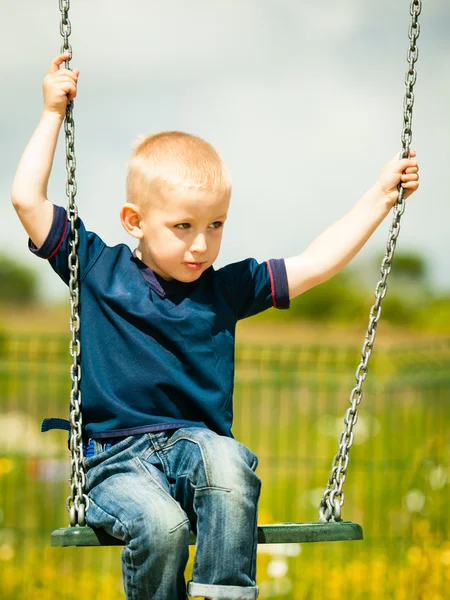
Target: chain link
{"x":78,"y":502}
{"x":330,"y":507}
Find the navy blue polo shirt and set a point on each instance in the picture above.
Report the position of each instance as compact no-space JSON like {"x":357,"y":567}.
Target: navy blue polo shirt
{"x":157,"y":354}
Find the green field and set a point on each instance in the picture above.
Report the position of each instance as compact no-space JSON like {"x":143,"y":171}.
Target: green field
{"x":289,"y":407}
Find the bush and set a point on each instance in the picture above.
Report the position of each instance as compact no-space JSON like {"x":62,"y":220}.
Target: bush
{"x":338,"y":299}
{"x":18,"y":283}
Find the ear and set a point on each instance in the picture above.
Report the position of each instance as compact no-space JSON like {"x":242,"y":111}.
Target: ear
{"x":131,"y":218}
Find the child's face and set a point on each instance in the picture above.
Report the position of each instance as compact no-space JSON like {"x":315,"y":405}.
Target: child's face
{"x":182,"y":233}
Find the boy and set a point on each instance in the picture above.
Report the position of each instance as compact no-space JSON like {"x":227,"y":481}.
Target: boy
{"x":158,"y":350}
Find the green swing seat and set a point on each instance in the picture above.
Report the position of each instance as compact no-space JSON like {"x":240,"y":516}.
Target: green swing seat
{"x":280,"y":533}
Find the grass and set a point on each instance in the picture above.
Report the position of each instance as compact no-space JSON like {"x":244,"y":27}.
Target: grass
{"x":289,"y":404}
{"x":49,"y":318}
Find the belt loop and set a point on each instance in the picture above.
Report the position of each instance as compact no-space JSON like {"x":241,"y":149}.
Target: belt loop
{"x":98,"y":447}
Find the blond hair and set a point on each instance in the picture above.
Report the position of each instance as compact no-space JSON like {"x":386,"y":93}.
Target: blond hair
{"x":173,"y":158}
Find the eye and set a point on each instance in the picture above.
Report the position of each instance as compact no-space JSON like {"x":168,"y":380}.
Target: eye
{"x":182,"y":226}
{"x":216,"y":225}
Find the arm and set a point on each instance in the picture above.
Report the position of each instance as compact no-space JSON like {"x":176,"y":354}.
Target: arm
{"x":337,"y":245}
{"x":29,"y":190}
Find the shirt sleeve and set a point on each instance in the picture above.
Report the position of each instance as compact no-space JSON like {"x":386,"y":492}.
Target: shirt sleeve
{"x":255,"y":287}
{"x":56,"y":247}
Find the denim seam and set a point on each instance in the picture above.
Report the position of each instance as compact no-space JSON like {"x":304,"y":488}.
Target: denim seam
{"x":212,"y":487}
{"x":255,"y":540}
{"x":125,"y":528}
{"x":162,"y":491}
{"x":127,"y":554}
{"x":205,"y":462}
{"x":180,"y":525}
{"x":152,"y":452}
{"x":158,"y":450}
{"x":153,"y":448}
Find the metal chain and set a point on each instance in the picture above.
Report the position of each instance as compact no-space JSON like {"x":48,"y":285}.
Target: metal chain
{"x":333,"y":496}
{"x":77,"y":502}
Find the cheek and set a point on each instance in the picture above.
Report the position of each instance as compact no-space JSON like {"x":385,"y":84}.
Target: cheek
{"x":215,"y":241}
{"x":172,"y":244}
{"x":163,"y":243}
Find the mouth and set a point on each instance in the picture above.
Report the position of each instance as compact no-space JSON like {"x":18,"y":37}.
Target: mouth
{"x":195,"y":266}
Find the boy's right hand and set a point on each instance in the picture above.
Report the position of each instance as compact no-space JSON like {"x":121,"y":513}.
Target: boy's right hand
{"x":60,"y":86}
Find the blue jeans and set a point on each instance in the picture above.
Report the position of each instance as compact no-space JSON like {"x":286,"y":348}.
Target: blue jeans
{"x":149,"y":490}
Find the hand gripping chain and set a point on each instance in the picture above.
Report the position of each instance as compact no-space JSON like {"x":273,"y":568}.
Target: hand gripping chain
{"x":333,"y":496}
{"x":78,"y":501}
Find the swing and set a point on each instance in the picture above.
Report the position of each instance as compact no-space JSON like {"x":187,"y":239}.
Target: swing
{"x":330,"y":526}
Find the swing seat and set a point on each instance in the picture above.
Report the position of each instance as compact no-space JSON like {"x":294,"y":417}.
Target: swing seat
{"x":280,"y":533}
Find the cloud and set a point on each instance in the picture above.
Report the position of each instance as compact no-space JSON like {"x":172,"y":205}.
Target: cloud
{"x":303,"y":100}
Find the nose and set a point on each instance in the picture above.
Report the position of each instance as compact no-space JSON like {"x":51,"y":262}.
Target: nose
{"x":199,"y":244}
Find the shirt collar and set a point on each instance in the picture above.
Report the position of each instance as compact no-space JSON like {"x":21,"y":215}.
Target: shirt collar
{"x":159,"y":285}
{"x":149,"y":275}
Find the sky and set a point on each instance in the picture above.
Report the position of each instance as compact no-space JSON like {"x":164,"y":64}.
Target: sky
{"x":302,"y":98}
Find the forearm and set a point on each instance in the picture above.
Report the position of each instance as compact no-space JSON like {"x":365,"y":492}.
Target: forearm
{"x":32,"y":175}
{"x":336,"y":246}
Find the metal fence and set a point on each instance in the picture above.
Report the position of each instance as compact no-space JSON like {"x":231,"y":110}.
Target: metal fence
{"x":289,"y":407}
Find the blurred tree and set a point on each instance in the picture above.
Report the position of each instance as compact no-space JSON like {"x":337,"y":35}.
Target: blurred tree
{"x":348,"y":296}
{"x":408,"y":288}
{"x":338,"y":299}
{"x":409,"y":265}
{"x":412,"y":265}
{"x":18,"y":283}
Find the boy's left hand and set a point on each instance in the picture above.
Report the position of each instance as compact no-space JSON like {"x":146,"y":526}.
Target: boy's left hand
{"x":404,"y":171}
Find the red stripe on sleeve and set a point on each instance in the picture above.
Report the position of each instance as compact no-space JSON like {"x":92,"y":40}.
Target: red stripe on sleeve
{"x":272,"y":284}
{"x":60,"y":242}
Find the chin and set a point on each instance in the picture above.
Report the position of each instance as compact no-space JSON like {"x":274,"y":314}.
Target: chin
{"x":188,"y":277}
{"x":192,"y":277}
